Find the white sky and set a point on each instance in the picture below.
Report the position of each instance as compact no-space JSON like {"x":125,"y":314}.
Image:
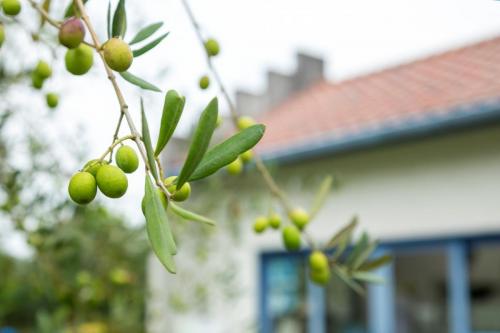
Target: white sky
{"x":354,"y":37}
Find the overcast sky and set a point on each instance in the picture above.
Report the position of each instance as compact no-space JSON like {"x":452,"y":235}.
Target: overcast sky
{"x":354,"y":37}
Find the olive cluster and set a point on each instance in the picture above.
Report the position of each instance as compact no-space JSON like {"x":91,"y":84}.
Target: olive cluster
{"x":79,"y":57}
{"x":110,"y":179}
{"x":291,"y":234}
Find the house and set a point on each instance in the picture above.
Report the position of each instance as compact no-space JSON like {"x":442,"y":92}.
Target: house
{"x":416,"y":151}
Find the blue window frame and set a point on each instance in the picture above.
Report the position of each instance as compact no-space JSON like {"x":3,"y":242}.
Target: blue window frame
{"x":301,"y":305}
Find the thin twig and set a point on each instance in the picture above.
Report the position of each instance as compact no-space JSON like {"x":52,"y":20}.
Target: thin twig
{"x":115,"y":135}
{"x":266,"y":175}
{"x":114,"y":144}
{"x":119,"y":95}
{"x":50,"y":20}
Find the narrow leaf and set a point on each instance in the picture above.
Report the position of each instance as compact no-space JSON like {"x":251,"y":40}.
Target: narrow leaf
{"x":345,"y":232}
{"x":342,"y":274}
{"x":376,"y":263}
{"x":108,"y":20}
{"x":138,"y":81}
{"x":321,"y":195}
{"x":146,"y":32}
{"x":172,"y":111}
{"x":146,"y":138}
{"x":190,"y":216}
{"x":120,"y":20}
{"x":367,"y":277}
{"x":227,"y":151}
{"x":158,"y":228}
{"x":148,"y":46}
{"x":341,"y":247}
{"x":359,"y":248}
{"x":71,"y":9}
{"x":46,"y":6}
{"x":364,"y":255}
{"x":201,"y":140}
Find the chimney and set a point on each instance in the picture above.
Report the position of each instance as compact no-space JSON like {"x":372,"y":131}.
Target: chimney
{"x":309,"y":71}
{"x":280,"y":86}
{"x":249,"y":104}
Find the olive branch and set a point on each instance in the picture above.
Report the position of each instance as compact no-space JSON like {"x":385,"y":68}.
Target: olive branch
{"x":353,"y":265}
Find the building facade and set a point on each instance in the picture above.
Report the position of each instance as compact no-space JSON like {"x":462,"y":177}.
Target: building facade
{"x":415,"y":150}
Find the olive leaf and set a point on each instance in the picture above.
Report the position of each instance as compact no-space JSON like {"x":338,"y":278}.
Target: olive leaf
{"x":367,"y":277}
{"x":188,"y":215}
{"x":321,"y":195}
{"x":158,"y":228}
{"x":364,"y":255}
{"x":345,"y":232}
{"x":227,"y":151}
{"x":146,"y":138}
{"x":119,"y":20}
{"x":172,"y":111}
{"x":46,"y":6}
{"x":146,"y":32}
{"x":108,"y":21}
{"x":149,"y":46}
{"x":342,"y":239}
{"x":361,"y":246}
{"x":71,"y":10}
{"x":344,"y":276}
{"x":201,"y":140}
{"x":137,"y":81}
{"x":375,"y":263}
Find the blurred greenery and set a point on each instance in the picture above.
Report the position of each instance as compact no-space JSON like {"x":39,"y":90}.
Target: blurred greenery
{"x":86,"y":271}
{"x":88,"y":268}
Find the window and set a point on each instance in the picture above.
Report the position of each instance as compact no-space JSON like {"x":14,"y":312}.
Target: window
{"x":484,"y":271}
{"x":345,"y":309}
{"x":421,"y":292}
{"x":286,"y":279}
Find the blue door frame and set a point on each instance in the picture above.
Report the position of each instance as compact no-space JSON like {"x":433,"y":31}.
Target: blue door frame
{"x":381,"y":299}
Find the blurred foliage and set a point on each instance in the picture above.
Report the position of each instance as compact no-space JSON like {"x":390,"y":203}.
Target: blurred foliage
{"x":86,"y":273}
{"x":88,"y":268}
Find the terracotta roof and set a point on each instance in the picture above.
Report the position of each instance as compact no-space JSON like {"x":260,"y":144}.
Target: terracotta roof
{"x":430,"y":87}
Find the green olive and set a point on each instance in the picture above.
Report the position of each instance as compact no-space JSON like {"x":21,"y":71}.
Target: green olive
{"x":52,"y":100}
{"x":177,"y":194}
{"x":245,"y":122}
{"x":11,"y":7}
{"x":79,"y":60}
{"x":82,"y":188}
{"x":235,"y":167}
{"x":212,"y":47}
{"x":260,"y":224}
{"x":275,"y":220}
{"x":204,"y":82}
{"x":291,"y":238}
{"x":127,"y":159}
{"x":299,"y":217}
{"x":117,"y":54}
{"x":111,"y":181}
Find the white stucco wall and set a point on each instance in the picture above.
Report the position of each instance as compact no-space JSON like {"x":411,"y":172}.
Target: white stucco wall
{"x":444,"y":185}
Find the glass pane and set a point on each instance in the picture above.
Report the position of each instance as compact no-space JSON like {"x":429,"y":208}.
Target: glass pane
{"x":287,"y":295}
{"x":421,"y":296}
{"x":345,"y":310}
{"x":485,"y":288}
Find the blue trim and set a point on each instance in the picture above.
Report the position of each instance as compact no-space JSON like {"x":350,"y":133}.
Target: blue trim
{"x":382,"y":297}
{"x":381,"y":308}
{"x":458,"y":293}
{"x":317,"y":308}
{"x":465,"y":116}
{"x":265,"y":324}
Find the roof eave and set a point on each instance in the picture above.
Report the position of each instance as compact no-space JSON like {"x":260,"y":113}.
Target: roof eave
{"x":457,"y":118}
